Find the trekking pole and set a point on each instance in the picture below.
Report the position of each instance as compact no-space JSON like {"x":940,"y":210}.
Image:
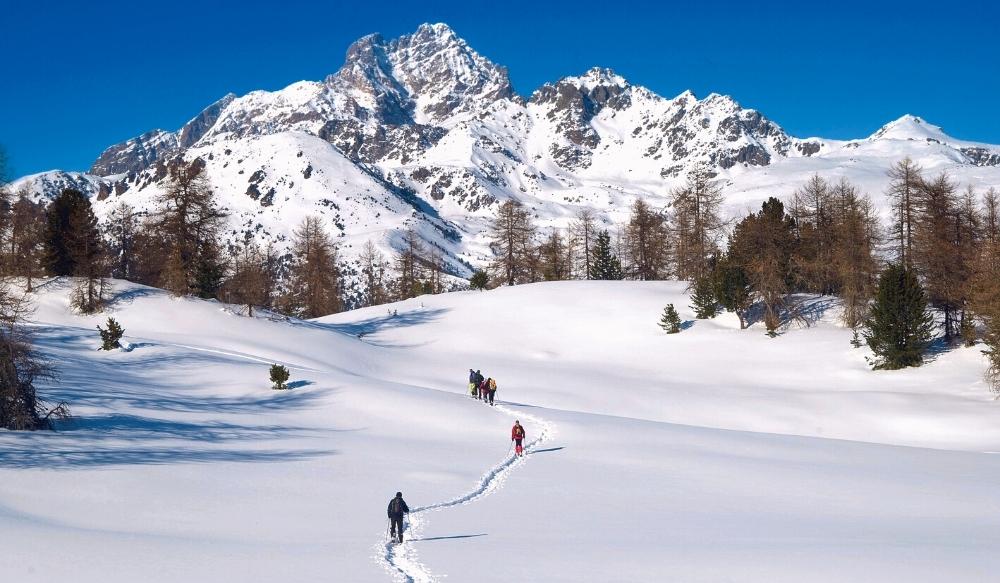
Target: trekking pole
{"x":510,"y":447}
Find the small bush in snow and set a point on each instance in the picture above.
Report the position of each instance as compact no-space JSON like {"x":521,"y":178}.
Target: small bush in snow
{"x":111,"y":337}
{"x":279,"y":376}
{"x":670,"y":321}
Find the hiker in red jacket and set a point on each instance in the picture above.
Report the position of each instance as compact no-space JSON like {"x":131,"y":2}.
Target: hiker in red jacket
{"x":517,"y":436}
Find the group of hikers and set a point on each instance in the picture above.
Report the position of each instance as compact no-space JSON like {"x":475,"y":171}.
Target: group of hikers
{"x":482,"y":388}
{"x":479,"y":388}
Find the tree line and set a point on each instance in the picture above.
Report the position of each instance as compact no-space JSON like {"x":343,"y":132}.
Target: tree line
{"x":940,"y":248}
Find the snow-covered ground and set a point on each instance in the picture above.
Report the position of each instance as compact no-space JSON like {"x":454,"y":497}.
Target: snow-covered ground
{"x":712,"y":455}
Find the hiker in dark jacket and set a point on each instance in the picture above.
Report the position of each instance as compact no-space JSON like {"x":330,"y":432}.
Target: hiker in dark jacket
{"x":397,"y":508}
{"x":473,"y":383}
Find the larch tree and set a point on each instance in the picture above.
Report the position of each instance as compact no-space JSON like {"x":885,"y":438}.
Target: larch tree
{"x":410,"y":264}
{"x":512,"y":241}
{"x":646,"y":242}
{"x":853,"y":258}
{"x":905,"y":182}
{"x":188,"y":221}
{"x":374,"y":269}
{"x":935,"y":252}
{"x":553,"y":257}
{"x":251,"y":280}
{"x":583,"y":234}
{"x":314,"y":276}
{"x":696,"y":224}
{"x":25,"y":241}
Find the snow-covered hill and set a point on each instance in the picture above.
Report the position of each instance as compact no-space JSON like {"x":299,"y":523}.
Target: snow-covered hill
{"x":712,"y":455}
{"x":423,"y":131}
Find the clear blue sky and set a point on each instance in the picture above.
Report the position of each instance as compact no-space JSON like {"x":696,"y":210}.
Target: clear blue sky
{"x":76,"y":77}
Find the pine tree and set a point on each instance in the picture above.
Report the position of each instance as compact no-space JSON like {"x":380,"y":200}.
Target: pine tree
{"x":733,"y":289}
{"x":479,"y":280}
{"x":71,"y":232}
{"x":279,"y":376}
{"x":111,"y":337}
{"x":606,"y":265}
{"x":703,"y":298}
{"x":670,"y":321}
{"x":899,"y":327}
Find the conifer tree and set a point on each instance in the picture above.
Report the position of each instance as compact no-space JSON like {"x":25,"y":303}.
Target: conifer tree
{"x":670,"y":321}
{"x":112,"y":335}
{"x":703,"y":298}
{"x":186,"y":229}
{"x":906,"y":179}
{"x":646,"y":242}
{"x":25,"y":243}
{"x":606,"y":265}
{"x":584,"y":235}
{"x":279,"y":376}
{"x":314,"y":276}
{"x":512,"y":241}
{"x":374,"y":269}
{"x":898,"y":328}
{"x":733,"y":289}
{"x":479,"y":280}
{"x":411,"y":261}
{"x":697,"y":224}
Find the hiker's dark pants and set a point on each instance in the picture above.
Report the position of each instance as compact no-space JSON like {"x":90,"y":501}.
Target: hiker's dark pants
{"x":397,"y":527}
{"x":491,"y":393}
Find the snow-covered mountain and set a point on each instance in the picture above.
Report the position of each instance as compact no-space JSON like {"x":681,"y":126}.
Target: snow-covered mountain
{"x":423,"y":131}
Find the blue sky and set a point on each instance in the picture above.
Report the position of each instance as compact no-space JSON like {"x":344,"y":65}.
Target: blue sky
{"x":76,"y":77}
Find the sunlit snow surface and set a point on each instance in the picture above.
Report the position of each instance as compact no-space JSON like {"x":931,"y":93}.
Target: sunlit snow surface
{"x":712,"y":455}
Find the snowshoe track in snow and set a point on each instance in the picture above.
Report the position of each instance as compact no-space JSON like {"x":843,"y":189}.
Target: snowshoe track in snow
{"x":401,"y":559}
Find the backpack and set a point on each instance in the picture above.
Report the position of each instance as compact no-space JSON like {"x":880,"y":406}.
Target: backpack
{"x":396,"y":506}
{"x":492,"y":386}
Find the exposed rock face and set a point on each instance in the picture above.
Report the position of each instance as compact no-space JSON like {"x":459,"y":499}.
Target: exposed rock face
{"x":423,"y":131}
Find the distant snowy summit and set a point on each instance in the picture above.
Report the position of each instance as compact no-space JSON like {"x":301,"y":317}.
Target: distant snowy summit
{"x":422,"y":131}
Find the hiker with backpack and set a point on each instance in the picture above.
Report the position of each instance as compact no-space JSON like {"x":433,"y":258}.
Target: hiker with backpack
{"x":517,"y":436}
{"x":491,"y":389}
{"x":473,"y":383}
{"x":397,"y":508}
{"x":482,"y":389}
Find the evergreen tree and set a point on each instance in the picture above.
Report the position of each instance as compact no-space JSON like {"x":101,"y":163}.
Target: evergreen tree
{"x":71,"y":234}
{"x":606,"y":265}
{"x":703,"y":298}
{"x":733,"y":289}
{"x":899,"y":327}
{"x":279,"y":376}
{"x":111,"y":337}
{"x":670,"y":321}
{"x":479,"y":280}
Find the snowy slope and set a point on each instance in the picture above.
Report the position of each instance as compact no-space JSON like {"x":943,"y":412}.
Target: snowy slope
{"x":423,"y":131}
{"x":713,"y":455}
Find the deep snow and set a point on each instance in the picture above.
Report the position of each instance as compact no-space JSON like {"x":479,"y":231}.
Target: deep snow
{"x":713,"y":455}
